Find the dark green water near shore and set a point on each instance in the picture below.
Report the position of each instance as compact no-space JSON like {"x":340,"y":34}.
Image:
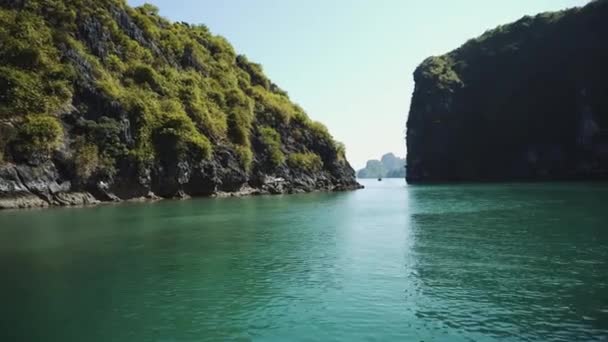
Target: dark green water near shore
{"x":388,"y":263}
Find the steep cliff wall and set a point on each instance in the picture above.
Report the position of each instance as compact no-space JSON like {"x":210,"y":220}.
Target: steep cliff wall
{"x":103,"y":102}
{"x":525,"y":101}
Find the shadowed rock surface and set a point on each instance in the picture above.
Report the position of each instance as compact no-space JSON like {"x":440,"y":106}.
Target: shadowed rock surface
{"x":525,"y":101}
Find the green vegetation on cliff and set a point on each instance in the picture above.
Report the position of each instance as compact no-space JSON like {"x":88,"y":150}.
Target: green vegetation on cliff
{"x":108,"y":86}
{"x":272,"y":142}
{"x":309,"y":161}
{"x":38,"y":134}
{"x":527,"y":100}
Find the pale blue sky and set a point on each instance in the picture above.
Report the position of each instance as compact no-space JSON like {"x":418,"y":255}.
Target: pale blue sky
{"x":349,"y":63}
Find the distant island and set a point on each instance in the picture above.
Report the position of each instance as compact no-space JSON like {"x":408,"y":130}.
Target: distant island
{"x":525,"y":101}
{"x":389,"y":166}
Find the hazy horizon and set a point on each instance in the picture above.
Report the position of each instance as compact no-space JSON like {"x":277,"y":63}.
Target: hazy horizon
{"x":349,"y":64}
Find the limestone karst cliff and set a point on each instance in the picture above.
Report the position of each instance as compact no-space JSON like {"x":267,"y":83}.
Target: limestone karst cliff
{"x":100,"y":101}
{"x":525,"y":101}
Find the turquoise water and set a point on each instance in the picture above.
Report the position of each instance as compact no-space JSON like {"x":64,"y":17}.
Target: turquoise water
{"x":388,"y":263}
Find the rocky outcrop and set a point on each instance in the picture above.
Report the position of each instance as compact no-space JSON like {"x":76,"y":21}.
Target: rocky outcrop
{"x":526,"y":101}
{"x":23,"y":186}
{"x":54,"y":183}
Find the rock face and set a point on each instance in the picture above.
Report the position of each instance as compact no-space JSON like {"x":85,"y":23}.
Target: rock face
{"x":104,"y":102}
{"x":389,"y":166}
{"x":526,"y":101}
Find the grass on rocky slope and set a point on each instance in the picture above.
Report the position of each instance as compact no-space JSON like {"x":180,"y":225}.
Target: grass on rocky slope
{"x":185,"y":90}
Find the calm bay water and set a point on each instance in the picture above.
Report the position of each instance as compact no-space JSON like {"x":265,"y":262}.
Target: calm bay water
{"x":388,"y":263}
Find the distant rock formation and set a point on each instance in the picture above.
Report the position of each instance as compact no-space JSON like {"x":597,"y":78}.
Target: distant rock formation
{"x":525,"y":101}
{"x":390,"y":166}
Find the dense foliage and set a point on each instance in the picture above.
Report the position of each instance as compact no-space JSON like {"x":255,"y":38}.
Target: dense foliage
{"x":38,"y":135}
{"x":309,"y":161}
{"x":526,"y":100}
{"x":271,"y":140}
{"x":126,"y":84}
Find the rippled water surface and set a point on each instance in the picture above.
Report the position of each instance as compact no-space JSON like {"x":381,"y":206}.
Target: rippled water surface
{"x":388,"y":263}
